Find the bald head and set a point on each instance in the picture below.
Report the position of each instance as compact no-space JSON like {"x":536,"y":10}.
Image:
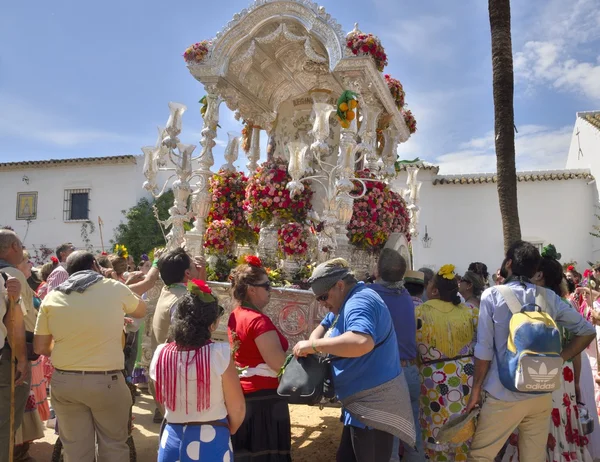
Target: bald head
{"x":11,"y":248}
{"x":81,"y":260}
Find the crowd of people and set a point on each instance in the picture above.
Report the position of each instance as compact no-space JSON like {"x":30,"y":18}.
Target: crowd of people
{"x":411,"y":353}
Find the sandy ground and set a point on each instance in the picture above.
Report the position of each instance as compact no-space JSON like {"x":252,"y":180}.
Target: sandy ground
{"x":315,"y":434}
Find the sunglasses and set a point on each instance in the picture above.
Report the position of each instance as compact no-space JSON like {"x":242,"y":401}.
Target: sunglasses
{"x":264,"y":285}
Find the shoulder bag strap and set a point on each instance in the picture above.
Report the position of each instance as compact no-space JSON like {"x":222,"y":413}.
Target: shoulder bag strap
{"x":510,"y":298}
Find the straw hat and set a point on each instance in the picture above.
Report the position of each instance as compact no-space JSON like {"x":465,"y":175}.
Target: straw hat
{"x":417,"y":277}
{"x":460,"y":429}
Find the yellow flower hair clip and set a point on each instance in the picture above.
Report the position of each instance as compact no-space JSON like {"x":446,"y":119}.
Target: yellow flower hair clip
{"x":447,"y":272}
{"x":121,"y":251}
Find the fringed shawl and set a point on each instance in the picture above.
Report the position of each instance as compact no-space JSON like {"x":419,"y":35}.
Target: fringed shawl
{"x":174,"y":362}
{"x":446,"y":327}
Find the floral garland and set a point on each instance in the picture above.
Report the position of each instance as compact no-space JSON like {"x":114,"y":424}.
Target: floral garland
{"x":369,"y":228}
{"x":267,"y":197}
{"x":368,"y":43}
{"x":410,"y":121}
{"x":197,"y":52}
{"x":228,"y":191}
{"x":219,"y":237}
{"x":396,"y":90}
{"x":292,"y":240}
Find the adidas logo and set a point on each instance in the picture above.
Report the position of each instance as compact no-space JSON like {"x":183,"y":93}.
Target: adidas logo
{"x":541,"y":377}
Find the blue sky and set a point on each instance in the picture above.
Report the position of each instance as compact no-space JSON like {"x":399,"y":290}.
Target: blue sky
{"x":80,"y":79}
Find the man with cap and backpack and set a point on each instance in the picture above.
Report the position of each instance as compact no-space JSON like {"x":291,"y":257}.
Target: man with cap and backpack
{"x":518,"y":358}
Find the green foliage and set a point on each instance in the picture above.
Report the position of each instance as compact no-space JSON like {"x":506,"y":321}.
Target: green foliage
{"x":141,"y":233}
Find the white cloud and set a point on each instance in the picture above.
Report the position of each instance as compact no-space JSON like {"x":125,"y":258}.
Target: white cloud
{"x":558,"y":49}
{"x":537,"y":148}
{"x":20,"y":119}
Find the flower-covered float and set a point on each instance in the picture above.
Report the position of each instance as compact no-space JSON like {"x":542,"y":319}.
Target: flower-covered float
{"x":322,"y":186}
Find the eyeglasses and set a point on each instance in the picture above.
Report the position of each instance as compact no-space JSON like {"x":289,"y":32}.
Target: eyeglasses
{"x":323,"y":297}
{"x":264,"y":285}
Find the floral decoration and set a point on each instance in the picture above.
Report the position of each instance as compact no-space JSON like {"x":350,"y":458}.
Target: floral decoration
{"x":292,"y":240}
{"x":376,"y":215}
{"x":121,"y":251}
{"x":396,"y":90}
{"x":267,"y":197}
{"x":246,"y":139}
{"x":228,"y":191}
{"x":197,"y":52}
{"x":54,"y":260}
{"x":368,"y":43}
{"x":447,"y":272}
{"x":201,"y":290}
{"x":410,"y":121}
{"x":219,"y":238}
{"x":253,"y":260}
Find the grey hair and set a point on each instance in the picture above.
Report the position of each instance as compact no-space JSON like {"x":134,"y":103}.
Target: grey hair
{"x":391,"y":266}
{"x":80,"y":260}
{"x":7,"y":239}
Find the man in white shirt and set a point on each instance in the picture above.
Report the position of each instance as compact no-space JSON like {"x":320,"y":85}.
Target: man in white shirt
{"x":60,"y":275}
{"x":12,"y":333}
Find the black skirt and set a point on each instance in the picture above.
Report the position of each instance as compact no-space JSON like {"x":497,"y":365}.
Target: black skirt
{"x":265,"y":435}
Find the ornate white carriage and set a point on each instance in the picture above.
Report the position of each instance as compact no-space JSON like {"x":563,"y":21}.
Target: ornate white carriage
{"x":281,"y":65}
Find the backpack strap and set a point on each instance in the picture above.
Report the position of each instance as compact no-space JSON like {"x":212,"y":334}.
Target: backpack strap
{"x":514,"y":305}
{"x":540,"y":299}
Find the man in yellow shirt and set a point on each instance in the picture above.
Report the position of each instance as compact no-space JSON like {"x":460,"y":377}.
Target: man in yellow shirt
{"x":81,"y":323}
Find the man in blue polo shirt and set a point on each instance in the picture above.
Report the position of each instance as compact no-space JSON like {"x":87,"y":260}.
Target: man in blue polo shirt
{"x":358,"y":332}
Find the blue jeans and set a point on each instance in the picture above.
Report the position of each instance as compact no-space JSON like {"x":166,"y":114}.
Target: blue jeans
{"x":411,"y":373}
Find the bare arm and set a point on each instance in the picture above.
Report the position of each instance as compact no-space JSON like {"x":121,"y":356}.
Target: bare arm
{"x":15,"y":325}
{"x":577,"y":373}
{"x":576,"y":346}
{"x":43,"y":344}
{"x":348,"y":345}
{"x":318,"y":333}
{"x":234,"y":398}
{"x":147,"y":283}
{"x":140,"y":311}
{"x":270,"y":349}
{"x":481,"y":369}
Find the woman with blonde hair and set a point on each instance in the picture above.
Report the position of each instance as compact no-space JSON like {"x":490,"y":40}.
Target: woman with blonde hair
{"x":446,"y":335}
{"x":259,"y":352}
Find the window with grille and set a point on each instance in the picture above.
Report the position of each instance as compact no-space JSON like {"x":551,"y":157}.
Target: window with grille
{"x":76,"y":204}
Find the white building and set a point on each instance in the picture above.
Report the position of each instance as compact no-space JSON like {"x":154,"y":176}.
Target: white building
{"x":54,"y":201}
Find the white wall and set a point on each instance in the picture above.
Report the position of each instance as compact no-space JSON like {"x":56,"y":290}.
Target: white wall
{"x":114,"y":187}
{"x":464,"y":221}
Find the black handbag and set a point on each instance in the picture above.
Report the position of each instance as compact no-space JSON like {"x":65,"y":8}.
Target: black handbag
{"x":307,"y":380}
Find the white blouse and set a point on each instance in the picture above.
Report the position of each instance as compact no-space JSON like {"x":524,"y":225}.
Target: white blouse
{"x":220,"y":356}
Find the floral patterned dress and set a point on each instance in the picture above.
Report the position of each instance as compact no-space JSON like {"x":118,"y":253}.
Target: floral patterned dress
{"x":446,"y":336}
{"x":566,"y":443}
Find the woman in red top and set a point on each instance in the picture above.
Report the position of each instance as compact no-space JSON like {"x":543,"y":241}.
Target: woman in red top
{"x":259,"y":351}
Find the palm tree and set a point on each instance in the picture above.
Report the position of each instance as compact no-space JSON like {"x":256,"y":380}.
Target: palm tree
{"x":503,"y":81}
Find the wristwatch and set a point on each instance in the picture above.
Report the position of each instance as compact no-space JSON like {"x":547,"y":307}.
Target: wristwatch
{"x":19,"y":301}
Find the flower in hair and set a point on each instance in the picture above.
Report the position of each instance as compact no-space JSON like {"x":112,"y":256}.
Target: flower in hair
{"x":121,"y":251}
{"x":549,"y":251}
{"x":253,"y":260}
{"x":588,"y":273}
{"x":200,"y":289}
{"x":54,"y":260}
{"x":145,"y":257}
{"x":447,"y":272}
{"x":104,"y":254}
{"x":570,"y":268}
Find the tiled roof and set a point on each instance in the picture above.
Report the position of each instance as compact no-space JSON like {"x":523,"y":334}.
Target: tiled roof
{"x":592,"y":117}
{"x":421,"y":165}
{"x":480,"y":178}
{"x":128,"y":159}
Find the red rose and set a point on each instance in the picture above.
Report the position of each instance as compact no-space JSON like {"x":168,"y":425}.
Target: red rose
{"x":551,"y":442}
{"x":567,"y":374}
{"x":555,"y":417}
{"x":365,"y":48}
{"x":202,"y":286}
{"x":253,"y":260}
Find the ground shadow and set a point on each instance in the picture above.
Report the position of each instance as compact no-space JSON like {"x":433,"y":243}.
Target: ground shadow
{"x":312,"y":443}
